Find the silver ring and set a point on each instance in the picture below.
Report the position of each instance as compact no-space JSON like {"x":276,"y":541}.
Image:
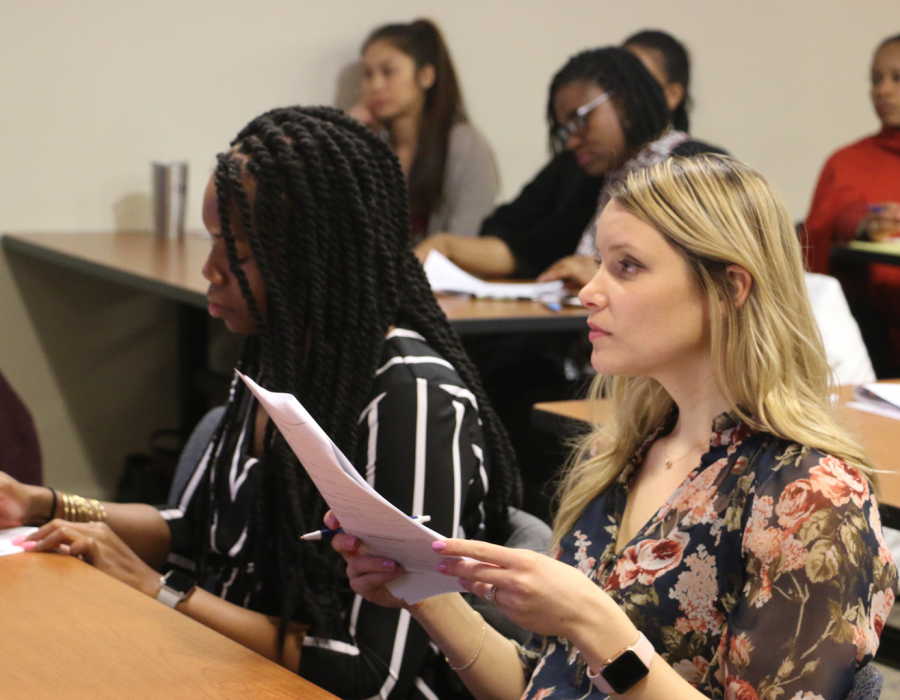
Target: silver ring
{"x":491,"y":596}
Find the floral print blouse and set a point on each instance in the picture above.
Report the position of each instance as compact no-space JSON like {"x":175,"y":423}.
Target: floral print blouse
{"x":764,"y":575}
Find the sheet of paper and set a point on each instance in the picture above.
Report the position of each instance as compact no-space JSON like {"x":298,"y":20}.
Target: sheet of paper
{"x":886,"y":392}
{"x":362,"y":511}
{"x":6,"y":537}
{"x":878,"y":409}
{"x":444,"y":276}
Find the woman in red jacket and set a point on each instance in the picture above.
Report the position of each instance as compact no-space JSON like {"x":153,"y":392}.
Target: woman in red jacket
{"x":858,"y":197}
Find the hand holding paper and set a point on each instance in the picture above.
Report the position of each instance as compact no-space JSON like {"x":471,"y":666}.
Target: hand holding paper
{"x":385,"y":529}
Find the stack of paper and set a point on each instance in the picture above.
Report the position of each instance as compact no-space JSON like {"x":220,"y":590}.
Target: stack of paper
{"x":386,"y":530}
{"x":444,"y":276}
{"x":881,"y":399}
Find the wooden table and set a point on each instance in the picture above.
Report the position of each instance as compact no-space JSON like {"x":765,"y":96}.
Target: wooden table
{"x":879,"y":436}
{"x":70,"y":631}
{"x":172,"y":270}
{"x":867,"y":252}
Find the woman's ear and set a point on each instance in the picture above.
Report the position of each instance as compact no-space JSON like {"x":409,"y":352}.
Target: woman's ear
{"x":741,"y":283}
{"x":425,"y":76}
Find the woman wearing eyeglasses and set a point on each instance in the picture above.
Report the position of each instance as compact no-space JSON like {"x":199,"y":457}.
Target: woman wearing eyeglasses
{"x":607,"y":114}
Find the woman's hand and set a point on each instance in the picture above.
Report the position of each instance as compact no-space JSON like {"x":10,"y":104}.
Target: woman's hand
{"x":574,"y":270}
{"x":20,"y":504}
{"x":536,"y":592}
{"x":99,"y":546}
{"x":882,"y":221}
{"x":369,"y":574}
{"x":361,"y":113}
{"x":437,"y":241}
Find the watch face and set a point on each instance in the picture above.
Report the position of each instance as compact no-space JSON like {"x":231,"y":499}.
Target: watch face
{"x":625,"y":670}
{"x":179,"y":582}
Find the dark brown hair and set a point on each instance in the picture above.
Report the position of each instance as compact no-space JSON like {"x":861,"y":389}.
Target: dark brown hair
{"x":422,"y":41}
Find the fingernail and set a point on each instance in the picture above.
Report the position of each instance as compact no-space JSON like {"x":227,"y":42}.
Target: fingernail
{"x":30,"y":544}
{"x":352,"y":542}
{"x":442,"y":566}
{"x":330,"y":520}
{"x":439,"y":546}
{"x":389,"y":563}
{"x":16,"y":541}
{"x":463,"y":582}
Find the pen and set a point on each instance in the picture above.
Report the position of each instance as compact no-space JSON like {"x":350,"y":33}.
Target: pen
{"x":553,"y":305}
{"x":327,"y":534}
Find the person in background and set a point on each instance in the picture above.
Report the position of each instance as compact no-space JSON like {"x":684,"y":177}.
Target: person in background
{"x":858,"y":197}
{"x":311,"y":261}
{"x":607,"y":116}
{"x":720,"y":538}
{"x":668,"y":61}
{"x":411,"y":95}
{"x":20,"y":451}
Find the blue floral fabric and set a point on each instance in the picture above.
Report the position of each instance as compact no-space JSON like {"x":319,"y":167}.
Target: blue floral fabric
{"x":764,"y":575}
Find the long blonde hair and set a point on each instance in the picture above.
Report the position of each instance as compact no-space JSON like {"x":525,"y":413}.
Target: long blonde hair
{"x":768,"y":357}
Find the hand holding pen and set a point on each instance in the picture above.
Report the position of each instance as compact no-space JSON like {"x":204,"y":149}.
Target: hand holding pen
{"x":328,"y":534}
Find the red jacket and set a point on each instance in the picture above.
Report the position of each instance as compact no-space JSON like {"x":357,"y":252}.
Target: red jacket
{"x":864,"y":173}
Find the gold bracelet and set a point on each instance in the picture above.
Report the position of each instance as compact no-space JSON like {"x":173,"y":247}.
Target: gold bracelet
{"x":82,"y":510}
{"x":475,"y":655}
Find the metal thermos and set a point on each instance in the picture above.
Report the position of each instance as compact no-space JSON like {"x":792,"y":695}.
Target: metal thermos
{"x":169,"y":198}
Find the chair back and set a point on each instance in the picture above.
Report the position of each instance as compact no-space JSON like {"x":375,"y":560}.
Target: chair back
{"x":867,"y":684}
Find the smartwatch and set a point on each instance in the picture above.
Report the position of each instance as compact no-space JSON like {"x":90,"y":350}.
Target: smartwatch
{"x":624,"y":671}
{"x":175,"y":587}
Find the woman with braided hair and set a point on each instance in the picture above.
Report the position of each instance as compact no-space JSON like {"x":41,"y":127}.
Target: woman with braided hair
{"x":311,"y":261}
{"x":607,"y":116}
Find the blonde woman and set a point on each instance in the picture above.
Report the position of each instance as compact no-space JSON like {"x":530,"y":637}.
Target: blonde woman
{"x":721,"y":537}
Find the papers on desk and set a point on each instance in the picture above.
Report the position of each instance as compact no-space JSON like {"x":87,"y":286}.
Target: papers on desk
{"x":7,"y":536}
{"x":444,"y":276}
{"x":362,"y":511}
{"x":880,"y":399}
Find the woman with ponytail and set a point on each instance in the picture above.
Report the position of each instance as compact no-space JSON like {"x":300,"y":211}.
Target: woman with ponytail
{"x":411,"y":96}
{"x":311,"y":261}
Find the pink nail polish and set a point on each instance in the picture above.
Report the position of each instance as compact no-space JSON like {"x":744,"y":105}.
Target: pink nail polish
{"x":31,"y":544}
{"x":388,"y":564}
{"x":352,"y":542}
{"x":442,"y":566}
{"x":439,"y":546}
{"x":16,"y":541}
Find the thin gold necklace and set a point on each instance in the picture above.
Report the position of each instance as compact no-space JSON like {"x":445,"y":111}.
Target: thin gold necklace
{"x":670,"y":462}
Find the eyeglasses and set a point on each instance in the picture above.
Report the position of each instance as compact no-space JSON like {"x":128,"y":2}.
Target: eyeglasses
{"x":578,"y":122}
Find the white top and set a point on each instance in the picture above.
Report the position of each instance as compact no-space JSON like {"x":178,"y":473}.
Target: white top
{"x":844,"y":347}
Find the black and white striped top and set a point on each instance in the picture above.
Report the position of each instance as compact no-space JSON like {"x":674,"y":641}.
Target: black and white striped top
{"x":421,"y":447}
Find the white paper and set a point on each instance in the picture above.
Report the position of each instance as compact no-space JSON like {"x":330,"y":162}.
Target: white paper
{"x":6,"y":537}
{"x":886,"y":392}
{"x":878,"y":409}
{"x":444,"y":276}
{"x":363,"y":512}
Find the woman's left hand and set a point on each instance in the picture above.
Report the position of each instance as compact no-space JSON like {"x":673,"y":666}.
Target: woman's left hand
{"x":99,"y":546}
{"x":575,"y":270}
{"x":535,"y":591}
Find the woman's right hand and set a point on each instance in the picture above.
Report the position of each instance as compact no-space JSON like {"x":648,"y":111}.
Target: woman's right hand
{"x":18,"y":503}
{"x":883,"y":220}
{"x":368,"y":574}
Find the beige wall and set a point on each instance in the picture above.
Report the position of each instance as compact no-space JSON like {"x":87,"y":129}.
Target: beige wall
{"x":92,"y":91}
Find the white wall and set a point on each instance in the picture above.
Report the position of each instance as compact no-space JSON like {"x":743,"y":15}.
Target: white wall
{"x":92,"y":91}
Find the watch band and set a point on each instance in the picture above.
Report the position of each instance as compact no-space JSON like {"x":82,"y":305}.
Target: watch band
{"x":625,"y":669}
{"x":174,"y":587}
